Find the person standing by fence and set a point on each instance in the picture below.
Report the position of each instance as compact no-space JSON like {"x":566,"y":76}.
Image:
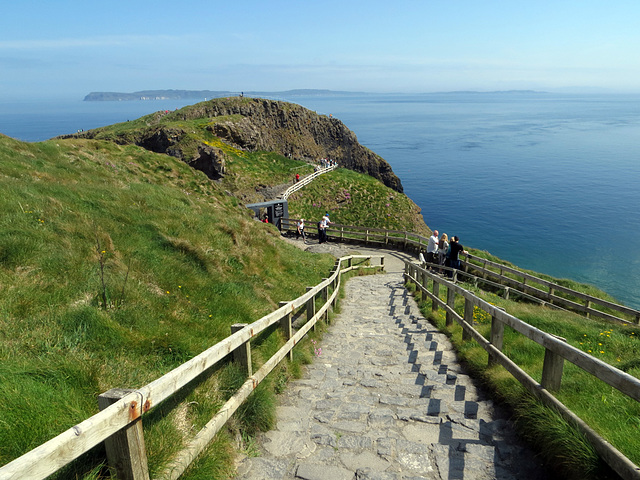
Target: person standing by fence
{"x":443,"y":248}
{"x":456,"y":249}
{"x":432,"y":247}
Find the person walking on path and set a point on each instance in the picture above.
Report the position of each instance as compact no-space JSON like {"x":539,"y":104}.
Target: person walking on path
{"x":300,"y":230}
{"x":432,"y":247}
{"x":322,"y":228}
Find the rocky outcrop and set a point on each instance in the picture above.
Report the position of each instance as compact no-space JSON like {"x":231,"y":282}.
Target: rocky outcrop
{"x":291,"y":130}
{"x":253,"y":124}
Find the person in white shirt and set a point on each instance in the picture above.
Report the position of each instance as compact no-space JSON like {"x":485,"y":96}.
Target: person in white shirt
{"x":300,"y":230}
{"x":432,"y":248}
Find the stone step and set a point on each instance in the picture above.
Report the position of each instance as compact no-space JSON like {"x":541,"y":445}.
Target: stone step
{"x":387,"y":400}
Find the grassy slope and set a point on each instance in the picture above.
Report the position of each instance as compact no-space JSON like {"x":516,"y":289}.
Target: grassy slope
{"x":181,"y":263}
{"x":356,"y":199}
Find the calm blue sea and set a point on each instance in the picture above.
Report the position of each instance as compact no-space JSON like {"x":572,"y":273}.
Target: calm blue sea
{"x":549,"y":182}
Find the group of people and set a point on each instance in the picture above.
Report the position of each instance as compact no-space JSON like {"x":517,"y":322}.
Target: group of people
{"x":442,"y":252}
{"x":325,"y":163}
{"x":323,"y":225}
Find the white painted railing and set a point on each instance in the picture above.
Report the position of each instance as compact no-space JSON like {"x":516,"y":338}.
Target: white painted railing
{"x":307,"y":180}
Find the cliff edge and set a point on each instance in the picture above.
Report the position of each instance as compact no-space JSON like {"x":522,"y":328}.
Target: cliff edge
{"x":253,"y":124}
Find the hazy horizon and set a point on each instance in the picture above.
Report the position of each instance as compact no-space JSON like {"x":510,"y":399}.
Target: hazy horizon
{"x":57,"y":49}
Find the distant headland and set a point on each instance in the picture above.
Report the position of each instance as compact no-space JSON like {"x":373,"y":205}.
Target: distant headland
{"x":209,"y":94}
{"x":196,"y":94}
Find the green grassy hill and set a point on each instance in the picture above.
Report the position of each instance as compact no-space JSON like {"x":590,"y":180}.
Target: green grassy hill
{"x":116,"y":265}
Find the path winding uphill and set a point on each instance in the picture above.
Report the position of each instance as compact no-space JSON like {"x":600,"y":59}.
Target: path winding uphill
{"x":387,"y":400}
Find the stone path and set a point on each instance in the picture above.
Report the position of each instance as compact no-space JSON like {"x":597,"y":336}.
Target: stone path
{"x":387,"y":400}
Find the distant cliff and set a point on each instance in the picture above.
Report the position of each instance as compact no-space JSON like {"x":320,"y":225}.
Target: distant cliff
{"x":196,"y":94}
{"x":153,"y":95}
{"x":253,"y":124}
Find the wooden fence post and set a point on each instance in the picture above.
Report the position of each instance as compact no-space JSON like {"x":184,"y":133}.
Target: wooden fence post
{"x":324,"y":293}
{"x":126,"y":452}
{"x":468,"y":317}
{"x":497,"y":337}
{"x":242,"y":354}
{"x":451,"y":300}
{"x":552,"y":370}
{"x":436,"y":293}
{"x":285,"y":325}
{"x":587,"y":306}
{"x":311,"y":306}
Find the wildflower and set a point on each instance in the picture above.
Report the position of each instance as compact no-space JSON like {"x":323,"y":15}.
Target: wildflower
{"x":168,"y":292}
{"x":601,"y":351}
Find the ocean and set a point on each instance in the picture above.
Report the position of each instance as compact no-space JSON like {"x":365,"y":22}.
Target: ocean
{"x":549,"y":182}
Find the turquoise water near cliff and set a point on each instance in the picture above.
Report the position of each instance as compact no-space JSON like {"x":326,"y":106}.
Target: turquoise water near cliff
{"x":549,"y":182}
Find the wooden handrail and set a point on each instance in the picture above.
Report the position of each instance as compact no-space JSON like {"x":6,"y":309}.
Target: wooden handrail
{"x":120,"y":415}
{"x":306,"y":181}
{"x":556,"y":351}
{"x":413,"y":242}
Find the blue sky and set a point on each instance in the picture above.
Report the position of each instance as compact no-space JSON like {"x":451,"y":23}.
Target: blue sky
{"x":67,"y":49}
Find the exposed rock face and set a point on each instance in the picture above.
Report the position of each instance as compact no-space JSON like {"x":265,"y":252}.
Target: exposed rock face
{"x":256,"y":124}
{"x":291,"y":130}
{"x":210,"y":161}
{"x":170,"y":141}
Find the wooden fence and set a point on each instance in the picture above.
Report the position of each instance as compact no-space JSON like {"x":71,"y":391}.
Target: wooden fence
{"x":119,"y":423}
{"x":576,"y":301}
{"x":556,"y":352}
{"x":306,"y":181}
{"x":485,"y":271}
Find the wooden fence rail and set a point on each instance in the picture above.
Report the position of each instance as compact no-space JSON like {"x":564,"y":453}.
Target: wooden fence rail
{"x":306,"y":181}
{"x":556,"y":352}
{"x":488,"y":270}
{"x":119,"y":425}
{"x":482,"y":266}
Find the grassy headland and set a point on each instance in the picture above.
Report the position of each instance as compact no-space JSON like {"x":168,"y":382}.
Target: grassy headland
{"x":117,"y":264}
